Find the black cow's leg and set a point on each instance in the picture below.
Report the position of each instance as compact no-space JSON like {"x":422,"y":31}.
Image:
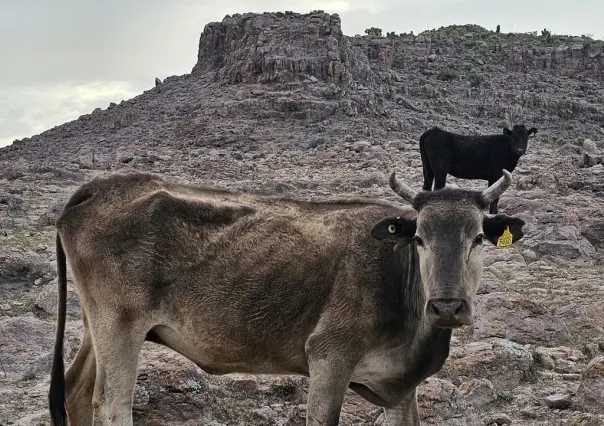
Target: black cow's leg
{"x":428,"y":177}
{"x":493,"y":205}
{"x":405,"y":413}
{"x":440,"y":179}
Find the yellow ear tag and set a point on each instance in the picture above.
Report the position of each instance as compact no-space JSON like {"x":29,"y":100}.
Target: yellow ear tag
{"x":391,"y":228}
{"x":506,"y":238}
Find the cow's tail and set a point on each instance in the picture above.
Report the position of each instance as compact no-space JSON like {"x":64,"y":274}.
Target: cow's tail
{"x":56,"y":394}
{"x":426,"y":167}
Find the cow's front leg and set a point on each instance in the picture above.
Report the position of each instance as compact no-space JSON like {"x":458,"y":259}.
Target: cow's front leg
{"x":330,"y":369}
{"x":405,"y":413}
{"x":329,"y":380}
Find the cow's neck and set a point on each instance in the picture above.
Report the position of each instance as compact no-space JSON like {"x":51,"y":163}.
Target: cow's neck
{"x":415,"y":350}
{"x":512,"y":159}
{"x":427,"y":346}
{"x":405,"y":300}
{"x":428,"y":351}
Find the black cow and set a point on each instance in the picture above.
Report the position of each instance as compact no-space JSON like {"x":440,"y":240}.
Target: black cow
{"x":471,"y":157}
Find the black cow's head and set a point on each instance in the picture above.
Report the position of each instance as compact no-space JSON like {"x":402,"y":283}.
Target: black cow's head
{"x":449,"y":232}
{"x":519,"y":137}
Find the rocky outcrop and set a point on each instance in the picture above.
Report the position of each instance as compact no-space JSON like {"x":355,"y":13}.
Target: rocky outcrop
{"x":591,"y":389}
{"x":19,"y":266}
{"x":510,"y":316}
{"x":516,"y":52}
{"x":442,"y":403}
{"x":277,"y":48}
{"x":506,"y":364}
{"x":565,"y":59}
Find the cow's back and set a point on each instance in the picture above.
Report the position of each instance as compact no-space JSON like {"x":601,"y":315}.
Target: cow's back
{"x":466,"y":156}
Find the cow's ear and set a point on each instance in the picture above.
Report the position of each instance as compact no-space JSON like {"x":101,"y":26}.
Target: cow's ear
{"x":507,"y":131}
{"x":532,"y":131}
{"x":395,"y":229}
{"x":502,"y":230}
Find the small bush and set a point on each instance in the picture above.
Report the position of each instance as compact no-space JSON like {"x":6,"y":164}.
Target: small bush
{"x":373,"y":31}
{"x":475,"y":79}
{"x":447,"y":74}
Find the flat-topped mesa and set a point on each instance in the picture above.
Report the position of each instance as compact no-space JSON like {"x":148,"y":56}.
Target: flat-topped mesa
{"x":274,"y":47}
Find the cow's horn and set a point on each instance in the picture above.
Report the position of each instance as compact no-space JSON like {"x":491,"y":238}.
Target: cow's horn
{"x":494,"y":191}
{"x":401,"y":189}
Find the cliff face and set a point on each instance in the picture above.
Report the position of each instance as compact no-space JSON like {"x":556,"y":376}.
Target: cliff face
{"x":271,"y":48}
{"x":286,"y":104}
{"x":572,"y":59}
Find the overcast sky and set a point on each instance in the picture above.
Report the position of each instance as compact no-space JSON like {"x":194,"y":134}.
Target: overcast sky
{"x":63,"y":58}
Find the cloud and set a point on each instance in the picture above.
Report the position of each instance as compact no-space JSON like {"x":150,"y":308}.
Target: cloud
{"x":26,"y":111}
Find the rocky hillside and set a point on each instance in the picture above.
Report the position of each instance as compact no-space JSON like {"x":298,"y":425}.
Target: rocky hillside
{"x":285,"y":103}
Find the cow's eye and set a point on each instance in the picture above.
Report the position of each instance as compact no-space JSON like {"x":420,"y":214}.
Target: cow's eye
{"x":479,"y":239}
{"x":418,"y":241}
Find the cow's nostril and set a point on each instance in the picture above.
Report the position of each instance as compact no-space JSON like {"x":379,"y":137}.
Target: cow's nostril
{"x":446,"y":307}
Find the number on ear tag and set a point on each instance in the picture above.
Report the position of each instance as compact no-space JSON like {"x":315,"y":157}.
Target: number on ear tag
{"x":506,"y":238}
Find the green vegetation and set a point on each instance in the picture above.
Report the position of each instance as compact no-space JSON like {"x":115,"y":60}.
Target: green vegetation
{"x":476,"y":79}
{"x":505,"y":396}
{"x":448,"y":73}
{"x":373,"y":31}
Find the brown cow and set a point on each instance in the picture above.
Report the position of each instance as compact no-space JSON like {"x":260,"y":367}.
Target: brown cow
{"x":250,"y":284}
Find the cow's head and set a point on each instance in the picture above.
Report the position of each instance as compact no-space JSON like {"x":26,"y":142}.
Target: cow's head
{"x":519,"y":137}
{"x":449,"y":232}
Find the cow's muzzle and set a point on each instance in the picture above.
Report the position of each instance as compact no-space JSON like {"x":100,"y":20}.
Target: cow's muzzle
{"x":449,"y":313}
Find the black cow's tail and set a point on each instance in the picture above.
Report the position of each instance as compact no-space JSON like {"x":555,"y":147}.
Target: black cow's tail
{"x":56,"y":394}
{"x":426,"y":167}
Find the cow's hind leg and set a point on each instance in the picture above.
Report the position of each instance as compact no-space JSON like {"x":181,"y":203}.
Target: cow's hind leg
{"x":405,"y":413}
{"x":428,"y":173}
{"x":493,"y":206}
{"x":440,"y":179}
{"x":117,"y":342}
{"x":79,"y":382}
